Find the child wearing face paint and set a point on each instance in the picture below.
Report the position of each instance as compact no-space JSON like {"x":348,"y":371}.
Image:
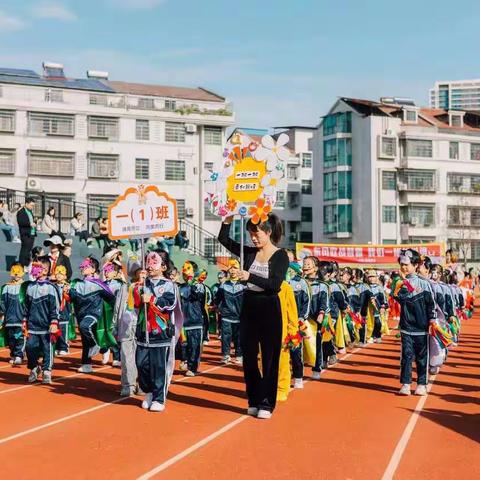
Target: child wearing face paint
{"x":155,"y":303}
{"x":302,"y":299}
{"x":42,"y":318}
{"x":12,"y":312}
{"x":87,"y":297}
{"x":417,"y":312}
{"x":375,"y":309}
{"x":229,"y":301}
{"x":60,"y":275}
{"x":192,"y":295}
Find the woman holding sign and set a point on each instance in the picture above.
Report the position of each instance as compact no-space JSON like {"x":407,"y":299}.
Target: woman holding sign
{"x":264,"y":271}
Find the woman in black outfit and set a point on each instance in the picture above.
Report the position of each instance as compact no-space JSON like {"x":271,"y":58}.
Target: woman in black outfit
{"x":261,"y":319}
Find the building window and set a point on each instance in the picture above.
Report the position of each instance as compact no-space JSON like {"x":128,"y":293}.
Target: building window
{"x":293,"y":199}
{"x":389,"y":242}
{"x":463,"y":183}
{"x":389,"y":180}
{"x":142,"y":130}
{"x":292,"y":172}
{"x":306,"y":237}
{"x":52,"y":95}
{"x":419,"y":148}
{"x":456,"y":120}
{"x":51,"y":164}
{"x":208,"y":166}
{"x":306,"y":214}
{"x":475,"y":151}
{"x":47,"y":124}
{"x":337,"y":123}
{"x":96,"y":99}
{"x":453,"y":149}
{"x":98,"y":205}
{"x":419,"y":215}
{"x":281,"y":199}
{"x":388,"y":147}
{"x":174,"y":132}
{"x":142,"y":169}
{"x":103,"y":128}
{"x":103,"y":166}
{"x":337,"y":152}
{"x":175,"y":170}
{"x":181,"y":208}
{"x":337,"y":219}
{"x":389,"y":214}
{"x":418,"y":180}
{"x":7,"y":121}
{"x":146,"y":103}
{"x":170,"y":105}
{"x":306,"y":160}
{"x":213,"y":135}
{"x":7,"y":161}
{"x":410,"y":116}
{"x":337,"y":185}
{"x":207,"y":212}
{"x":307,"y":187}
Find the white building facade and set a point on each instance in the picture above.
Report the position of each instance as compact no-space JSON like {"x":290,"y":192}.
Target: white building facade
{"x":456,"y":95}
{"x":386,"y":173}
{"x":87,"y":140}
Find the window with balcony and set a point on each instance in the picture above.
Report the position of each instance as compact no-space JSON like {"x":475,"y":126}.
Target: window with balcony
{"x":463,"y":183}
{"x":7,"y":121}
{"x":7,"y":161}
{"x":389,"y":214}
{"x":461,"y":216}
{"x":175,"y":132}
{"x":475,"y":151}
{"x":293,"y":199}
{"x":175,"y":170}
{"x":170,"y":105}
{"x":292,"y":172}
{"x":103,"y":166}
{"x":306,"y":214}
{"x":104,"y":128}
{"x":419,"y":215}
{"x":337,"y":152}
{"x":337,"y":219}
{"x":51,"y":164}
{"x":337,"y":123}
{"x":213,"y":135}
{"x":146,"y":103}
{"x":142,"y":130}
{"x":453,"y":150}
{"x":281,"y":200}
{"x":51,"y":124}
{"x":388,"y":147}
{"x":307,"y":187}
{"x":142,"y":169}
{"x":306,"y":160}
{"x":389,"y":180}
{"x":337,"y":185}
{"x":418,"y":180}
{"x":419,"y":148}
{"x":96,"y":99}
{"x":52,"y":95}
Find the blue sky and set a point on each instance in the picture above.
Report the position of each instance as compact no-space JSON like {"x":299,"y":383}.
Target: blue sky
{"x":280,"y":62}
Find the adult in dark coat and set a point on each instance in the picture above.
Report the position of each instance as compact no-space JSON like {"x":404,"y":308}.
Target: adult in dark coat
{"x":27,"y":229}
{"x":56,"y":255}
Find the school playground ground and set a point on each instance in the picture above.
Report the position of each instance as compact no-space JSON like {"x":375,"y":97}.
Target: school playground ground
{"x":349,"y":425}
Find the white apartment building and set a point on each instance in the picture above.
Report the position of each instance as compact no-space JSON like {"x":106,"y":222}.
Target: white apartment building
{"x":456,"y":95}
{"x":89,"y":139}
{"x":294,"y":203}
{"x":390,"y":173}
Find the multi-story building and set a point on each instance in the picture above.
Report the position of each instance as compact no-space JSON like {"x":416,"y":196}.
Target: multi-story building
{"x":294,"y":202}
{"x":390,"y":173}
{"x":88,"y":139}
{"x":456,"y":95}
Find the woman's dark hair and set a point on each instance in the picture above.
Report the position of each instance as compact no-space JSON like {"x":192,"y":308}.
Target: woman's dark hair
{"x":272,"y":225}
{"x":49,"y":210}
{"x":78,"y":214}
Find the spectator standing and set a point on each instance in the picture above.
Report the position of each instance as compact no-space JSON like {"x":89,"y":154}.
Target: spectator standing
{"x":49,"y":223}
{"x":28,"y":230}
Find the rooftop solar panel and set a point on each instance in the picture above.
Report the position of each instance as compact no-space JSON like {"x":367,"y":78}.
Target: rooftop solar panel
{"x":19,"y":72}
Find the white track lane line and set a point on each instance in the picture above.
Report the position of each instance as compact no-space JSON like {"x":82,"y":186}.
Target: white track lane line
{"x":406,"y":435}
{"x":67,"y":355}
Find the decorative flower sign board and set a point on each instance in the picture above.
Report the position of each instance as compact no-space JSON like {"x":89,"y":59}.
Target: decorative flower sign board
{"x":142,"y":211}
{"x":247,"y":177}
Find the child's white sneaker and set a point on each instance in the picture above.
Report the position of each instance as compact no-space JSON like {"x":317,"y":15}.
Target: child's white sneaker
{"x":189,"y":373}
{"x":106,"y":357}
{"x":316,"y":375}
{"x":405,"y":390}
{"x":157,"y":407}
{"x":378,"y":340}
{"x":264,"y":414}
{"x":85,"y":369}
{"x":370,"y":340}
{"x":47,"y":377}
{"x":62,"y":353}
{"x":17,"y":361}
{"x":226,"y":359}
{"x":116,"y":363}
{"x":11,"y":361}
{"x":298,"y":383}
{"x":33,"y":377}
{"x":421,"y":390}
{"x":239,"y":360}
{"x":147,"y":403}
{"x":183,"y":366}
{"x":252,"y":411}
{"x":95,"y":350}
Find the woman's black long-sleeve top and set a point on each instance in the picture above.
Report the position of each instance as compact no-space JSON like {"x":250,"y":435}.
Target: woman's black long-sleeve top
{"x":277,"y":265}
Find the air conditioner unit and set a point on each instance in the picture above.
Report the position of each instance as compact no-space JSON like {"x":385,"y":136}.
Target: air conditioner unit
{"x":402,"y":186}
{"x":112,"y":174}
{"x":34,"y":184}
{"x":414,"y":221}
{"x":190,"y":128}
{"x":189,"y":212}
{"x":389,"y":132}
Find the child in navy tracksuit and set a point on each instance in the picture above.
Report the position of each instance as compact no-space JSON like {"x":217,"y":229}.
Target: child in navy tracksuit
{"x":378,"y":302}
{"x":417,"y":311}
{"x":229,"y":301}
{"x":302,"y":299}
{"x":42,"y":316}
{"x":155,"y":331}
{"x":358,"y":298}
{"x":192,"y":295}
{"x":12,"y":312}
{"x":87,"y":297}
{"x":60,"y":275}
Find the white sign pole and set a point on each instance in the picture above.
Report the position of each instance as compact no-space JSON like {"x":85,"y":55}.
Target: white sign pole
{"x":142,"y":249}
{"x":242,"y":240}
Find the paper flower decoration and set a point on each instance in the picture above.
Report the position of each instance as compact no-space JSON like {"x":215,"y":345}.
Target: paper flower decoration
{"x":260,"y":211}
{"x":231,"y":205}
{"x":273,"y":151}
